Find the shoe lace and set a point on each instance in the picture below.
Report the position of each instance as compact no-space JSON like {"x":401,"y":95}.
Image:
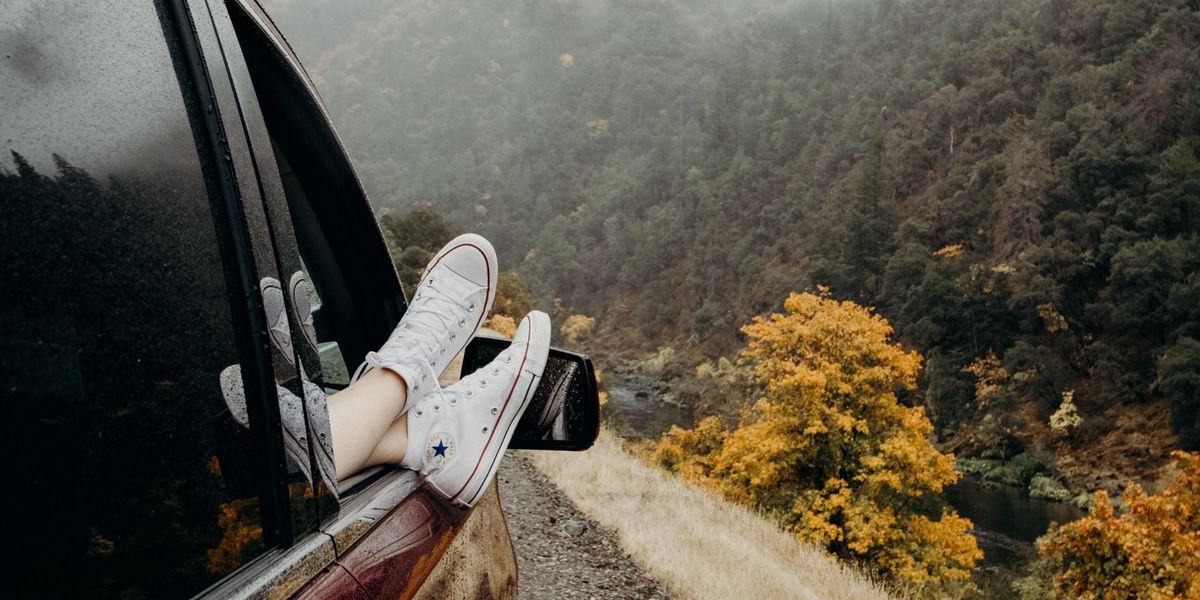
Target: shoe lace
{"x":435,"y":397}
{"x":417,"y":335}
{"x":441,"y":307}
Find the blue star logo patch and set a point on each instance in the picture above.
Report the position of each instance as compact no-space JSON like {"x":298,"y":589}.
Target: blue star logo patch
{"x":439,"y":449}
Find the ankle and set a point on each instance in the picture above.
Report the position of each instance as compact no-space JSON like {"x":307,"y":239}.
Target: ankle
{"x":385,"y":384}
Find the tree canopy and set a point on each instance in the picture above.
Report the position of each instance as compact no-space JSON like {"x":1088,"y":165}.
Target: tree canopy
{"x":828,"y":448}
{"x":971,"y":169}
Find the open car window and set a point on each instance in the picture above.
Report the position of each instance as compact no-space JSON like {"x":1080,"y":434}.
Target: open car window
{"x":333,"y":223}
{"x":323,"y":228}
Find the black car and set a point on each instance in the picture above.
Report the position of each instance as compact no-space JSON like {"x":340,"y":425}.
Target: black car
{"x":165,"y":159}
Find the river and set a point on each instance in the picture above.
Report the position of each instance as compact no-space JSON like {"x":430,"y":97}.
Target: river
{"x":1007,"y":521}
{"x":637,"y":414}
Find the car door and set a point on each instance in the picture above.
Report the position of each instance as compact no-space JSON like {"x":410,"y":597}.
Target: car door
{"x":130,"y":289}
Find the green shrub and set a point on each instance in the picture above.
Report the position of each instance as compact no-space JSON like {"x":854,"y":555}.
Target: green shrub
{"x":1042,"y":486}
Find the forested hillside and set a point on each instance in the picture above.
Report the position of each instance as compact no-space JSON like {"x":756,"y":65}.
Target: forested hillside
{"x":1013,"y":184}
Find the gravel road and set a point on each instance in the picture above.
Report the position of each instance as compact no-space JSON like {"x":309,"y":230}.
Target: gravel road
{"x":561,"y":553}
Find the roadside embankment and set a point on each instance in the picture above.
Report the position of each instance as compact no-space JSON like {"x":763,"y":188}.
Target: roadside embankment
{"x":698,"y":544}
{"x":562,"y":553}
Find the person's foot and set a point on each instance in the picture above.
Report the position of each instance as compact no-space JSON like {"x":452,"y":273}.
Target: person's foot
{"x":448,"y":308}
{"x":456,"y":435}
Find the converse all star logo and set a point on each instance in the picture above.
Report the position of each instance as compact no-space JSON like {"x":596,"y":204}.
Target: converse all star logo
{"x":439,"y":450}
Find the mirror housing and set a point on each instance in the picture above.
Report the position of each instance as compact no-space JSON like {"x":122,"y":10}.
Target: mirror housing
{"x":564,"y":413}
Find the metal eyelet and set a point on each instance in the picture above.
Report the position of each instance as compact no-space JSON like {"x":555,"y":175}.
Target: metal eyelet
{"x":437,"y":408}
{"x":471,"y":308}
{"x":482,"y":383}
{"x":470,"y":394}
{"x":495,"y":410}
{"x":462,"y":322}
{"x":485,"y":429}
{"x":452,"y":336}
{"x":507,"y":358}
{"x":419,"y":413}
{"x":453,"y":402}
{"x":495,"y":370}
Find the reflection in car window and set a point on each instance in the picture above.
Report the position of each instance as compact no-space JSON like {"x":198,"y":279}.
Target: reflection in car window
{"x":116,"y":319}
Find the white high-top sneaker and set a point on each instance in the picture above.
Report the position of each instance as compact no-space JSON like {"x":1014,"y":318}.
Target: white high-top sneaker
{"x":456,"y":435}
{"x":454,"y":296}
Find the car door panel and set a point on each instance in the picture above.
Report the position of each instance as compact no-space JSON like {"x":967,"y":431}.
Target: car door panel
{"x":279,"y":573}
{"x":480,"y":562}
{"x":127,"y":292}
{"x":335,"y":582}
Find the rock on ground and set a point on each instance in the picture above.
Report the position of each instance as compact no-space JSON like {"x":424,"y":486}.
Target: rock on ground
{"x":561,"y":553}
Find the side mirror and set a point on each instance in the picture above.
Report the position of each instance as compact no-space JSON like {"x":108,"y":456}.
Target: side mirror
{"x":564,"y":413}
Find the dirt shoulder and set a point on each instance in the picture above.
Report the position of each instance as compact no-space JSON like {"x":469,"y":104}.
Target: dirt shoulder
{"x":685,"y":536}
{"x":561,"y":553}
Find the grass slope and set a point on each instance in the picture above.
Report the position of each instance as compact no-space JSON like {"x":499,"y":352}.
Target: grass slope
{"x":700,"y":545}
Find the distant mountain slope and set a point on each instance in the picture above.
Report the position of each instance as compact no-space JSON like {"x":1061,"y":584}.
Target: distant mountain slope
{"x":1017,"y":177}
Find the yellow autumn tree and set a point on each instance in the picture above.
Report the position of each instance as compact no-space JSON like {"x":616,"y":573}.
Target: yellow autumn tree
{"x":513,"y":301}
{"x":1152,"y":550}
{"x":577,"y":328}
{"x":512,"y":297}
{"x":829,"y":450}
{"x":502,"y":324}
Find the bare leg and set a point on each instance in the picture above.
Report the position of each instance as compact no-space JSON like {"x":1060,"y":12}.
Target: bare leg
{"x":392,"y":448}
{"x":360,"y":415}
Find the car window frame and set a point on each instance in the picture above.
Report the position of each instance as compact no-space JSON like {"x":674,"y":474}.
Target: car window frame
{"x":294,"y":215}
{"x":348,"y":225}
{"x":296,"y":552}
{"x":387,"y":500}
{"x":290,"y":213}
{"x":304,"y":559}
{"x":241,"y":193}
{"x":347,"y":259}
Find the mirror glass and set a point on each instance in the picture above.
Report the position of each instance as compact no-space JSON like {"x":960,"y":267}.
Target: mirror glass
{"x":564,"y":413}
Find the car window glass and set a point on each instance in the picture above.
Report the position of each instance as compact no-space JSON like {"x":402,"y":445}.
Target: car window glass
{"x":335,"y":373}
{"x":128,"y":476}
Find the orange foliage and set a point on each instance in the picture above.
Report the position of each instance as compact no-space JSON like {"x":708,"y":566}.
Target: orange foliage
{"x":829,"y":450}
{"x":577,"y":328}
{"x":502,"y":324}
{"x":990,"y":379}
{"x":1150,"y":551}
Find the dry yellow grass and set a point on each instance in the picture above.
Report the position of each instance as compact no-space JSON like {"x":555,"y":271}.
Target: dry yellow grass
{"x":700,"y":545}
